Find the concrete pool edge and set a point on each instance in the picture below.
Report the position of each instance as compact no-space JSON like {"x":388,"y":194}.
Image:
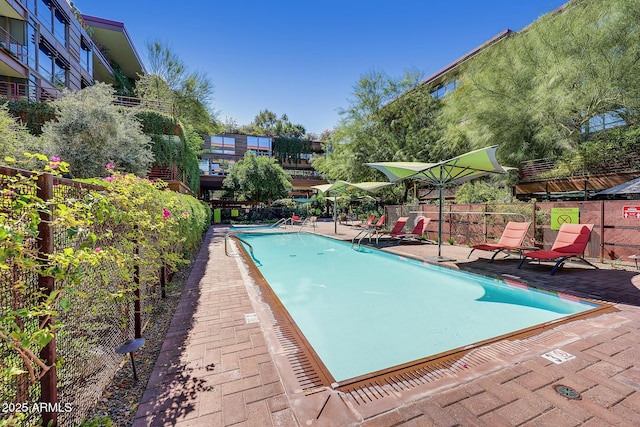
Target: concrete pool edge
{"x":365,"y":402}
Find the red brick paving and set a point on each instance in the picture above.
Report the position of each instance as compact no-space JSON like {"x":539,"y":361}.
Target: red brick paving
{"x":215,"y":369}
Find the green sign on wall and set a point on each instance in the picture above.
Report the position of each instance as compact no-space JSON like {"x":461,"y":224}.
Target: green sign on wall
{"x":560,"y":216}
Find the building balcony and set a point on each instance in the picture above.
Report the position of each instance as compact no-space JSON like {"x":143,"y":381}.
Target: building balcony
{"x":12,"y":91}
{"x":12,"y":46}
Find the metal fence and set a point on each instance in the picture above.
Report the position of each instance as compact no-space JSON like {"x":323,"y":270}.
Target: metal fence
{"x":96,"y":324}
{"x":615,"y":236}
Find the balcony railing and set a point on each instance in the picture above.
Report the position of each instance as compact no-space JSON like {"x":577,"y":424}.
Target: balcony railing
{"x":31,"y":93}
{"x":11,"y":45}
{"x":541,"y":168}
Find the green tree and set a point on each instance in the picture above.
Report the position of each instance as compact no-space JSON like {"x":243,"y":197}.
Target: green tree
{"x":535,"y":93}
{"x":379,"y":126}
{"x":170,"y":80}
{"x":15,"y":139}
{"x":258,"y":179}
{"x":268,"y":123}
{"x":90,"y":131}
{"x":165,"y":63}
{"x":152,"y":88}
{"x":492,"y":190}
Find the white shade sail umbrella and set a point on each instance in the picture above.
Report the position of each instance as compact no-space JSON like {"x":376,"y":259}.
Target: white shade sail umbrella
{"x":340,"y":187}
{"x":473,"y":164}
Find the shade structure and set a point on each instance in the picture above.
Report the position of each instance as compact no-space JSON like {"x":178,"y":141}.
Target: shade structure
{"x":627,"y":188}
{"x":340,"y":187}
{"x":456,"y":170}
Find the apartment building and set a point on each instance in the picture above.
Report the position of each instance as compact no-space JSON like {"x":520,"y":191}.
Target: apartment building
{"x":48,"y":45}
{"x":221,"y":152}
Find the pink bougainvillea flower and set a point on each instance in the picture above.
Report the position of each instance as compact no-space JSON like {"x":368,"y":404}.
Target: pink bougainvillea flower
{"x":55,"y":159}
{"x":166,"y":213}
{"x":185,"y":213}
{"x":53,"y":165}
{"x":98,"y":250}
{"x":110,"y":166}
{"x":109,"y":178}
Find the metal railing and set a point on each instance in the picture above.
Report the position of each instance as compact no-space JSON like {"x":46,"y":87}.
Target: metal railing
{"x":226,"y":246}
{"x":13,"y":46}
{"x":13,"y":91}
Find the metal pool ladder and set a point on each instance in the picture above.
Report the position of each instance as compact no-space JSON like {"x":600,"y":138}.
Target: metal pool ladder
{"x":226,"y":246}
{"x":361,"y":235}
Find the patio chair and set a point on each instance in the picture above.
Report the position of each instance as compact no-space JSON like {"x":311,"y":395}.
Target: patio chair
{"x":570,"y":242}
{"x":418,"y":231}
{"x":369,"y":231}
{"x":395,"y":231}
{"x":367,"y":223}
{"x":511,"y":240}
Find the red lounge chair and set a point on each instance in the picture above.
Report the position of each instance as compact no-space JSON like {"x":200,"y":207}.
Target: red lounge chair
{"x":417,"y":232}
{"x":570,"y":242}
{"x":368,"y":223}
{"x":395,"y":231}
{"x":511,"y":240}
{"x":369,"y":231}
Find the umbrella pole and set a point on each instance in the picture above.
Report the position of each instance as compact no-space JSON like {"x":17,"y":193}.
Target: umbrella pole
{"x":440,"y":221}
{"x":335,"y":215}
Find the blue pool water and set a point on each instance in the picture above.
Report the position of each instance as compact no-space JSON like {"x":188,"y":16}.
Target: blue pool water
{"x":363,"y":311}
{"x":252,"y":227}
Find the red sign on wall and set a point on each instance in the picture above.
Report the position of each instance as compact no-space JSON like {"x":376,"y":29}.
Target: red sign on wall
{"x":631,"y":212}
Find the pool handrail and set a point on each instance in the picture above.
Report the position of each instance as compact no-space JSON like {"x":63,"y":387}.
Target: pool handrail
{"x":282,"y":221}
{"x":310,"y":221}
{"x":226,"y":251}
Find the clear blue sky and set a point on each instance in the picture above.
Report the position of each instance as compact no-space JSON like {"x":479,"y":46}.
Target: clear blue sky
{"x":303,"y":58}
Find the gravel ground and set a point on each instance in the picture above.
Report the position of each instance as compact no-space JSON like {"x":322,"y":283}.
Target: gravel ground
{"x":121,"y":397}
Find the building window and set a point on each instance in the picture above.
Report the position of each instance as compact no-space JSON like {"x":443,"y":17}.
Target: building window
{"x":45,"y":63}
{"x":604,"y":121}
{"x":223,"y":145}
{"x":204,"y":166}
{"x":45,"y":15}
{"x":86,"y":56}
{"x":34,"y":82}
{"x":32,"y":45}
{"x":259,"y":145}
{"x":60,"y":26}
{"x":59,"y":74}
{"x":444,"y":90}
{"x":31,"y":6}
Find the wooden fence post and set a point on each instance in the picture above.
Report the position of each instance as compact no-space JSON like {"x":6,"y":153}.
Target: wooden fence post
{"x":49,"y":382}
{"x":602,"y":231}
{"x":163,"y":280}
{"x":137,"y":305}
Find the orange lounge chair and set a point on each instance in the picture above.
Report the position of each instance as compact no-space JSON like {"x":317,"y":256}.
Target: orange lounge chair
{"x":417,"y":232}
{"x":511,"y":240}
{"x":395,"y":231}
{"x":570,"y":242}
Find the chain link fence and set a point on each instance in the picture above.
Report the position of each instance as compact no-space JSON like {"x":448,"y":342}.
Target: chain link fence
{"x":100,"y":316}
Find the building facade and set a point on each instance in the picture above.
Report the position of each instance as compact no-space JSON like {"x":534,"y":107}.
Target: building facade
{"x":221,"y":152}
{"x":48,"y":45}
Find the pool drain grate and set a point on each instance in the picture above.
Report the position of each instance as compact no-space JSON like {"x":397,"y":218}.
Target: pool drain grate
{"x":567,"y":392}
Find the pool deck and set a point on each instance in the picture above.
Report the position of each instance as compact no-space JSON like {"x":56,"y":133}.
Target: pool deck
{"x":224,"y":364}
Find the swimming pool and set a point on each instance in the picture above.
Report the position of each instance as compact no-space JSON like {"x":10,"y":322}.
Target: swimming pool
{"x":252,"y":227}
{"x":366,"y":311}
